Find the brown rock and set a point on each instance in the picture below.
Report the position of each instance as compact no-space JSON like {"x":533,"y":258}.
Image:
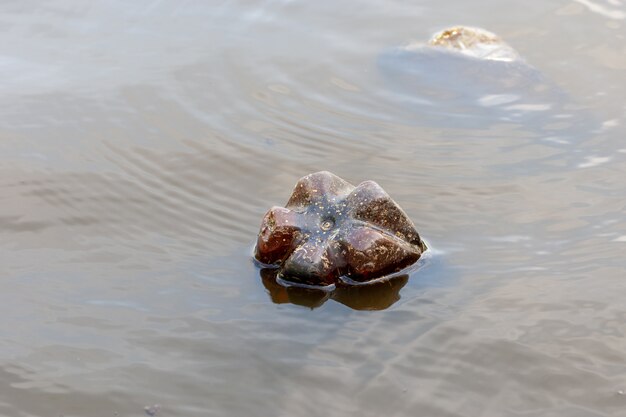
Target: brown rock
{"x":329,"y":228}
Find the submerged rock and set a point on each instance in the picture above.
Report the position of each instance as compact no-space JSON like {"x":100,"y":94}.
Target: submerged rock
{"x":331,"y":229}
{"x":470,"y":71}
{"x":466,"y":77}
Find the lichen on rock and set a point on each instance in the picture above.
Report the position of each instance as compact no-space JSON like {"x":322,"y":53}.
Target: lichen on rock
{"x":471,"y":41}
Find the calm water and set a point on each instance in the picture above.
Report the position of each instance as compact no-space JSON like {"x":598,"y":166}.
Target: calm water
{"x":141,"y":143}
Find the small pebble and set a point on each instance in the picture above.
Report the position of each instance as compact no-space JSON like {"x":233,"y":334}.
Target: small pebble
{"x":621,"y":392}
{"x":152,"y":410}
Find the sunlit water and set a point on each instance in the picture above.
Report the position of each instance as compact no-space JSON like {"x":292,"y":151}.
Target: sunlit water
{"x":141,"y":143}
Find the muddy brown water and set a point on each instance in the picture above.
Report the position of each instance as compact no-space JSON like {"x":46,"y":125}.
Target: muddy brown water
{"x":141,"y":143}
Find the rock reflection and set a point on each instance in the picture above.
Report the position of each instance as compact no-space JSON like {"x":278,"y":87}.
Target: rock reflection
{"x":371,"y":296}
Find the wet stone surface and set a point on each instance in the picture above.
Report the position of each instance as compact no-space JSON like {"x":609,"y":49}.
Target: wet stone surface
{"x":330,"y":228}
{"x":474,"y":42}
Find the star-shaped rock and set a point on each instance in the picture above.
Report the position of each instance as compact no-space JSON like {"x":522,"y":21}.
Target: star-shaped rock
{"x":330,"y":229}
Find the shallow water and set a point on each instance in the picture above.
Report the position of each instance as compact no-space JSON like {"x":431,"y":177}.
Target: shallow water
{"x":141,"y":143}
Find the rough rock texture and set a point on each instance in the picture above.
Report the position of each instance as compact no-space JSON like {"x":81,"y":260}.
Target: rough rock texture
{"x":471,"y":42}
{"x":474,"y":42}
{"x":329,"y":228}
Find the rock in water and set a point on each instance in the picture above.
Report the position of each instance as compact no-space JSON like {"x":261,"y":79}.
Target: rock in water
{"x":474,"y":42}
{"x":467,"y":77}
{"x":330,"y":229}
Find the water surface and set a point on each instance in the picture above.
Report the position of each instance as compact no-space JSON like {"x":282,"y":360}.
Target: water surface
{"x":141,"y":143}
